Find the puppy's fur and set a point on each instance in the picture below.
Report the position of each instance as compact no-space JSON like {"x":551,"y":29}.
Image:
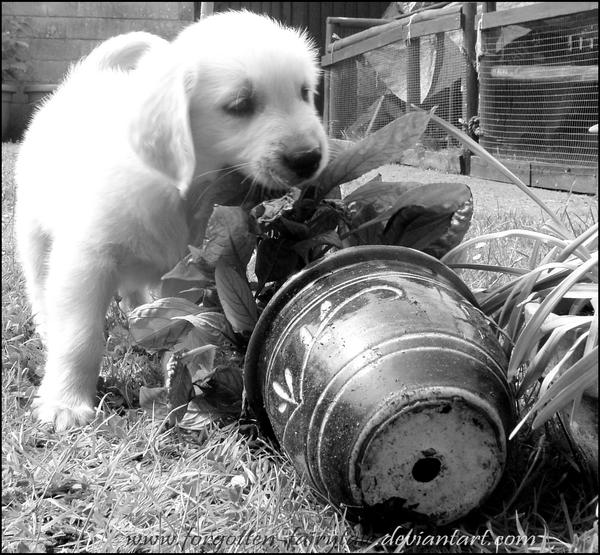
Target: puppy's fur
{"x":107,"y":162}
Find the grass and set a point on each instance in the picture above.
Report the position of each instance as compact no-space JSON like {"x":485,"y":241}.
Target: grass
{"x":123,"y":483}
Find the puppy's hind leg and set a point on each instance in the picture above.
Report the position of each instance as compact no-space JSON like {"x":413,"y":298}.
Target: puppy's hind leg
{"x":80,"y":284}
{"x":34,"y":249}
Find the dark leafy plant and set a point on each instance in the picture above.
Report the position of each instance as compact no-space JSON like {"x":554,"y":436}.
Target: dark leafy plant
{"x":223,"y":293}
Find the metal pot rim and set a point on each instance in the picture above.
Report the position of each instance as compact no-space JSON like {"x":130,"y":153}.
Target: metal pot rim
{"x":340,"y":259}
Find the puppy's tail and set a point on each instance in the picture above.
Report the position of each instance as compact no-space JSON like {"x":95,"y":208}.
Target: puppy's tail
{"x":122,"y":52}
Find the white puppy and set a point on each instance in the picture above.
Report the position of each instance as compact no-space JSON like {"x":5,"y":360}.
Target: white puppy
{"x":105,"y":166}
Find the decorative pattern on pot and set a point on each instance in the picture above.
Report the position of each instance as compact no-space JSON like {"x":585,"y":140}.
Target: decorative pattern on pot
{"x":383,"y":383}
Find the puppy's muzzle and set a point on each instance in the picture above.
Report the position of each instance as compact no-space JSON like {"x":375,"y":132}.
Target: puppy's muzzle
{"x":303,"y":164}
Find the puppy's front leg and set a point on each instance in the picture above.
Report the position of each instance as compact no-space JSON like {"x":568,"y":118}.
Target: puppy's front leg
{"x":80,"y":284}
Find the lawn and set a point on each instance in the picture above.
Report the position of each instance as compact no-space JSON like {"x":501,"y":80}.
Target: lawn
{"x":126,"y":484}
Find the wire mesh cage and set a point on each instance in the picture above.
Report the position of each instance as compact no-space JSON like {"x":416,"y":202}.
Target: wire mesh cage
{"x":371,"y":88}
{"x":539,"y":90}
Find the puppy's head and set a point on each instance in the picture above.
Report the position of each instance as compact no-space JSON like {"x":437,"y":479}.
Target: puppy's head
{"x":237,"y":92}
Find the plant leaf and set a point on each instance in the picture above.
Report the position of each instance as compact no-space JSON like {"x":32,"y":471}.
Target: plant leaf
{"x":220,"y":401}
{"x":154,"y":401}
{"x":179,"y":387}
{"x":224,"y":389}
{"x":209,"y":326}
{"x":530,"y":333}
{"x":547,"y":352}
{"x":186,"y":280}
{"x":568,"y":387}
{"x":228,"y":238}
{"x":153,"y":327}
{"x":275,"y":260}
{"x":236,"y":297}
{"x":201,"y":414}
{"x":382,"y":147}
{"x":200,"y":364}
{"x":324,"y":219}
{"x":306,"y":248}
{"x":432,"y":206}
{"x":270,"y":210}
{"x":187,"y":270}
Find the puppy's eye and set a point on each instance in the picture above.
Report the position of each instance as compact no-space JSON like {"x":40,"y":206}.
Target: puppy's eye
{"x":305,"y":94}
{"x":241,"y":107}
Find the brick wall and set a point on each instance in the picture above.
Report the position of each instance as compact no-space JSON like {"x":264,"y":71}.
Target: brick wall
{"x":59,"y":33}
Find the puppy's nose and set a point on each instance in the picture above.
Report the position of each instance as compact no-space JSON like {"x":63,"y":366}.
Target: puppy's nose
{"x":303,"y":163}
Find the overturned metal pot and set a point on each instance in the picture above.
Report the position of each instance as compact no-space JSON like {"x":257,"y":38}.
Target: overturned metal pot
{"x":384,"y":383}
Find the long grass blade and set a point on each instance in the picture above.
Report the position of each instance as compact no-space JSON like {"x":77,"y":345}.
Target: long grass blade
{"x":495,"y":298}
{"x":489,"y":268}
{"x":521,"y":233}
{"x":569,"y":386}
{"x":476,"y":148}
{"x":593,"y":334}
{"x":582,"y":381}
{"x":530,"y":333}
{"x":561,"y":364}
{"x":577,"y":245}
{"x":515,"y":305}
{"x":542,"y":358}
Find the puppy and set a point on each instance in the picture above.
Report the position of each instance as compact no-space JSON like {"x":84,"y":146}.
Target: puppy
{"x":107,"y":161}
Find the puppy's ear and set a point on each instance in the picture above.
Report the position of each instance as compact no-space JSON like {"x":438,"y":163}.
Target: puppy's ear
{"x":160,"y":132}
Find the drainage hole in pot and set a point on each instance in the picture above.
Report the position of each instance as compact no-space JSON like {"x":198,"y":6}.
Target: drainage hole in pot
{"x":426,"y":469}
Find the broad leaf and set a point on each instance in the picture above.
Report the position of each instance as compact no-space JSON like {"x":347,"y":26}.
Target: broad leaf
{"x":188,"y":270}
{"x":220,"y":401}
{"x":324,"y":219}
{"x":154,"y":401}
{"x":224,"y":388}
{"x":153,"y":325}
{"x":236,"y":297}
{"x":382,"y":147}
{"x":208,"y":326}
{"x":275,"y":261}
{"x":228,"y":238}
{"x":271,"y":210}
{"x":309,"y":249}
{"x":197,"y":355}
{"x":186,"y":280}
{"x":292,"y":229}
{"x":179,"y":387}
{"x":224,"y":189}
{"x":433,"y":206}
{"x":379,"y":195}
{"x":201,"y":414}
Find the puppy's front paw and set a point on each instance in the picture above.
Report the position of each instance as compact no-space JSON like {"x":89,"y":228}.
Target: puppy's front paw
{"x":60,"y":416}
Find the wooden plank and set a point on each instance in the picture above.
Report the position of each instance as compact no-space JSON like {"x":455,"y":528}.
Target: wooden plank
{"x":206,"y":9}
{"x":420,"y":16}
{"x":546,"y":73}
{"x":481,"y":169}
{"x":313,"y":24}
{"x":275,"y":10}
{"x":395,"y":33}
{"x":576,"y":180}
{"x":286,"y":13}
{"x":299,"y":14}
{"x":471,"y":79}
{"x":539,"y":10}
{"x":540,"y":175}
